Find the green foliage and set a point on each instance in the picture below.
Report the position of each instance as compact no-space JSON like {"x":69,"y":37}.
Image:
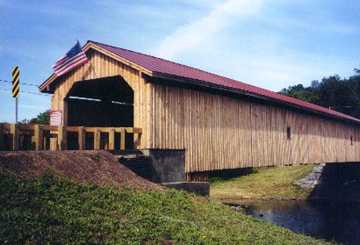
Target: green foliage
{"x":53,"y":210}
{"x":340,"y":94}
{"x":298,"y":91}
{"x":41,"y":118}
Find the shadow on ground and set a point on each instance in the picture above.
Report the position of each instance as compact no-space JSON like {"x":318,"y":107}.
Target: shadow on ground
{"x":229,"y":173}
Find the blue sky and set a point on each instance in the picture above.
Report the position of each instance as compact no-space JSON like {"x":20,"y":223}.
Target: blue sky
{"x":272,"y":44}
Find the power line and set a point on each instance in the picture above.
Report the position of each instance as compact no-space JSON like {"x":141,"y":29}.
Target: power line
{"x":22,"y":83}
{"x":22,"y":91}
{"x":26,"y":92}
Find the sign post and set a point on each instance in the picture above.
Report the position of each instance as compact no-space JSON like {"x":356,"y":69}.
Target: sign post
{"x":16,"y":89}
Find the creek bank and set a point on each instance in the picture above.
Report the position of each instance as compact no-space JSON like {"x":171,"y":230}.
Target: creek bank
{"x":311,"y":180}
{"x":333,"y":221}
{"x":335,"y":182}
{"x":262,"y":184}
{"x":322,"y":201}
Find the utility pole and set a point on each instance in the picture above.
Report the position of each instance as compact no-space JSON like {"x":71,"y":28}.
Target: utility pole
{"x":16,"y":89}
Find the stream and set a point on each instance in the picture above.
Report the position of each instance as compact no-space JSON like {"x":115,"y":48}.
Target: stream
{"x":332,"y":221}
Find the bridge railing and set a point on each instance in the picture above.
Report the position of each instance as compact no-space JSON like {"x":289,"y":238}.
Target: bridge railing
{"x":45,"y":137}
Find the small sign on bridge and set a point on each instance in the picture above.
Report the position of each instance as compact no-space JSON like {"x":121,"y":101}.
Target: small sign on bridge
{"x":55,"y":118}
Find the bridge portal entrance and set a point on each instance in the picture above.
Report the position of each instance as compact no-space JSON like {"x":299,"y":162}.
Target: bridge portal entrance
{"x":100,"y":103}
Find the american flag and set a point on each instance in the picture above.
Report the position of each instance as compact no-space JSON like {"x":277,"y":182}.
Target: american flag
{"x":75,"y":57}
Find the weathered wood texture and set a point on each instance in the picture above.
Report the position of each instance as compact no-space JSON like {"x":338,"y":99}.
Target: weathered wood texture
{"x":220,"y":132}
{"x":100,"y":66}
{"x":41,"y":134}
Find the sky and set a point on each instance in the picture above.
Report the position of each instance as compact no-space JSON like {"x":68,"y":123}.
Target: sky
{"x":268,"y":43}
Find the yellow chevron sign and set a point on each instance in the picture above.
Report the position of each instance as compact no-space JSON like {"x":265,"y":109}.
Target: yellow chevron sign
{"x":15,"y":81}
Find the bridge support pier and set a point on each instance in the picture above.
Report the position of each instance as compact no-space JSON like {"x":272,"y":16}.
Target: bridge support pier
{"x":167,"y":167}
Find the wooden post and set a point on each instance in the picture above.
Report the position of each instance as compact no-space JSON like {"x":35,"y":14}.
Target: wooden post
{"x":138,"y":140}
{"x":112,"y":139}
{"x":65,"y":107}
{"x":54,"y":146}
{"x":38,"y":137}
{"x":97,"y":139}
{"x":46,"y":140}
{"x":62,"y":138}
{"x":122,"y":139}
{"x":15,"y":137}
{"x":81,"y":138}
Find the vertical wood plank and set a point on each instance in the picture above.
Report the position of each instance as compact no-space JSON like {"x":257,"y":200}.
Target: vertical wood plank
{"x":97,"y":139}
{"x":122,"y":139}
{"x":38,"y":137}
{"x":112,"y":139}
{"x":62,"y":138}
{"x":15,"y":136}
{"x":81,"y":138}
{"x":138,"y":140}
{"x":65,"y":112}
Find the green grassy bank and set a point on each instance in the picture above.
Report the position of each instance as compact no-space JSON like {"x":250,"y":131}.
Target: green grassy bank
{"x":55,"y":210}
{"x":262,"y":183}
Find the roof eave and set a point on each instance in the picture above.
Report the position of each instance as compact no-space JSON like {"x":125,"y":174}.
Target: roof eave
{"x":93,"y":45}
{"x":45,"y":86}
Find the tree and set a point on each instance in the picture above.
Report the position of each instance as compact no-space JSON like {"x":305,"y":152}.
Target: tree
{"x":42,"y":118}
{"x":340,"y":94}
{"x":315,"y":84}
{"x":300,"y":92}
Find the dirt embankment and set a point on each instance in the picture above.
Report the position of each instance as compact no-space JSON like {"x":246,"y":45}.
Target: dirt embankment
{"x":97,"y":167}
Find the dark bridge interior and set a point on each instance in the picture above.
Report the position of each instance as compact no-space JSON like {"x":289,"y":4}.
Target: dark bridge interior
{"x":105,"y":102}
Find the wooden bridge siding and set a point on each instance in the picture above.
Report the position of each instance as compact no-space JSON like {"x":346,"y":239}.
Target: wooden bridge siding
{"x":220,"y":132}
{"x":99,"y":66}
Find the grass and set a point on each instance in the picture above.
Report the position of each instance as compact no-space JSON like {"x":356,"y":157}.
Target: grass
{"x":54,"y":210}
{"x":262,"y":183}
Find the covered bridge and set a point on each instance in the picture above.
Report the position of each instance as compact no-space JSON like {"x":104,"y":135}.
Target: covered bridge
{"x":218,"y":123}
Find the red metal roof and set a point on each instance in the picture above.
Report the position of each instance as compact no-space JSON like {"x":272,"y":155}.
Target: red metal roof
{"x":158,"y":65}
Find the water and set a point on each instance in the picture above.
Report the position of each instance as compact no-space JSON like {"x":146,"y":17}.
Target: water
{"x":333,"y":221}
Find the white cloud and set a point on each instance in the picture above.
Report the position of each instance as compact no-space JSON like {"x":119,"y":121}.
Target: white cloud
{"x":254,"y":43}
{"x":274,"y":67}
{"x":192,"y":35}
